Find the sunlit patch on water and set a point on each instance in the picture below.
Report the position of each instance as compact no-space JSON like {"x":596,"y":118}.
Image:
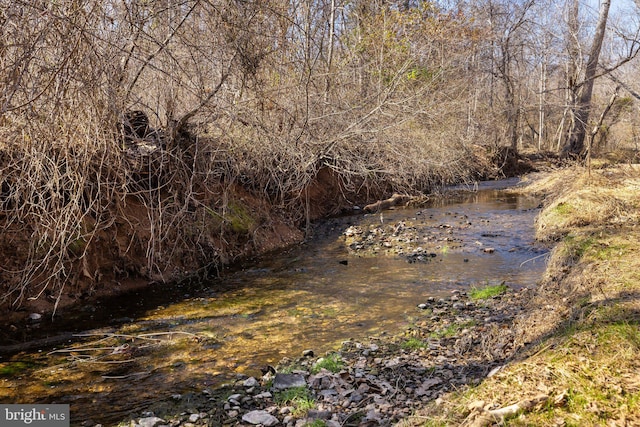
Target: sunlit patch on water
{"x":315,"y":296}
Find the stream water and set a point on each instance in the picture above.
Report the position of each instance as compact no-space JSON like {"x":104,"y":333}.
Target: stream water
{"x":155,"y":343}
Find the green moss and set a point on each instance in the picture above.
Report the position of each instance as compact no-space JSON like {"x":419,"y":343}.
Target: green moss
{"x":239,"y":218}
{"x":606,"y":252}
{"x":435,"y":423}
{"x":628,"y":334}
{"x":413,"y":344}
{"x":563,"y":209}
{"x":76,"y":247}
{"x":452,"y":330}
{"x":11,"y":369}
{"x":296,"y":312}
{"x":420,"y":73}
{"x":632,"y":401}
{"x":487,"y":292}
{"x":332,"y":363}
{"x":290,"y":368}
{"x":447,"y":332}
{"x":329,"y":312}
{"x":581,"y":245}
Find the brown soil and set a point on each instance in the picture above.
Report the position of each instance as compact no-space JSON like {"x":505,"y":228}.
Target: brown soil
{"x":116,"y":262}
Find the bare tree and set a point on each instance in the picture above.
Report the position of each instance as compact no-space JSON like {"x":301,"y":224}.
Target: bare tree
{"x":509,"y":47}
{"x":574,"y":145}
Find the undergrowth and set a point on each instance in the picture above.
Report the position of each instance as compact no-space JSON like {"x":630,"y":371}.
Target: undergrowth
{"x":332,"y":363}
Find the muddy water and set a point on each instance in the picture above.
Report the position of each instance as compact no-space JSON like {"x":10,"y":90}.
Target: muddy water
{"x":151,"y":345}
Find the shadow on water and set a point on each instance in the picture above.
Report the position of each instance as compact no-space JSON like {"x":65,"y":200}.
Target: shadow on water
{"x":152,"y":344}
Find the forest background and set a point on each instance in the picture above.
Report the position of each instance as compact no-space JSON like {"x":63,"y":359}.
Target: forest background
{"x":159,"y":140}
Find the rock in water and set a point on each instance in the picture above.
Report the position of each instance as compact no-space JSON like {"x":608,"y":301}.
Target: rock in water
{"x":260,"y":417}
{"x":149,"y":421}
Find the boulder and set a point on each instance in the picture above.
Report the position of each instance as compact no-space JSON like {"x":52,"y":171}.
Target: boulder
{"x":285,"y":381}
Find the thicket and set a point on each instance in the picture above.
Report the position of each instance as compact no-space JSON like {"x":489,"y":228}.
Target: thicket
{"x":260,"y":95}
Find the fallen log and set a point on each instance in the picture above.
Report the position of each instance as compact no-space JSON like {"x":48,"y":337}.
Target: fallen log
{"x":392,"y":201}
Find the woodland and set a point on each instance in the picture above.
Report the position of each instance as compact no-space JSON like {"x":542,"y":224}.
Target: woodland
{"x":157,"y":140}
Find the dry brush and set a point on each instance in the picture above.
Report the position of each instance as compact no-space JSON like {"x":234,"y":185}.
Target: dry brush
{"x":255,"y":110}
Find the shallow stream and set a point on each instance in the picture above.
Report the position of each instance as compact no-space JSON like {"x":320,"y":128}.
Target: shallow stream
{"x":156,"y":343}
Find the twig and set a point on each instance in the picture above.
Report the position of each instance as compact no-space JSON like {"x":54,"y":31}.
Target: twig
{"x":141,"y":336}
{"x":480,"y":417}
{"x":77,"y":350}
{"x":108,"y":362}
{"x":533,"y":259}
{"x":122,"y":377}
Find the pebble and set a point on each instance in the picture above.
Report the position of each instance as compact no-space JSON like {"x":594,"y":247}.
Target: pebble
{"x":149,"y":421}
{"x":285,"y":381}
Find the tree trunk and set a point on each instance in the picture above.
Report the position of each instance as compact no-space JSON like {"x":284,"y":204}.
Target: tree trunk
{"x":542,"y":103}
{"x":332,"y":23}
{"x":575,"y":144}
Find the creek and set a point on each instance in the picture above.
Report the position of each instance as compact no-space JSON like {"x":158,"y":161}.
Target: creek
{"x":361,"y":275}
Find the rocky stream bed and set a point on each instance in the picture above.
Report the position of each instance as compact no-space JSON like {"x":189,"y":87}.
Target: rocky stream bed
{"x":452,"y":342}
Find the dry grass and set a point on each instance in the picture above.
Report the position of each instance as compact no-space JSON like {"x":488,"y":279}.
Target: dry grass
{"x":591,"y":199}
{"x":580,"y":335}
